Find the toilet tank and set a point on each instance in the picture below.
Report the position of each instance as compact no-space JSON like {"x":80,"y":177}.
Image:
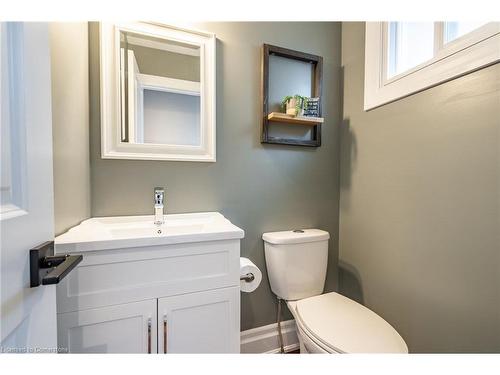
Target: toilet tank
{"x":296,"y":262}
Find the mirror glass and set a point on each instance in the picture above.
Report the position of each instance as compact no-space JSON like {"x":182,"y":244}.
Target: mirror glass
{"x":159,"y":91}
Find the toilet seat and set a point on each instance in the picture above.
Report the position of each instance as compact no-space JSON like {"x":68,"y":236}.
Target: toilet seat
{"x":311,"y":344}
{"x":337,"y":324}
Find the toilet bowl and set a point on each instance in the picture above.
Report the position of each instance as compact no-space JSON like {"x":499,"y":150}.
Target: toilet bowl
{"x":326,"y":323}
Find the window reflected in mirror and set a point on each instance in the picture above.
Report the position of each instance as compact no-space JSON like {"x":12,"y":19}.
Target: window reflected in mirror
{"x":159,"y":91}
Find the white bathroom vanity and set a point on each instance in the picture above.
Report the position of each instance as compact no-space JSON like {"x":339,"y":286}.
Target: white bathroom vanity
{"x":146,"y":288}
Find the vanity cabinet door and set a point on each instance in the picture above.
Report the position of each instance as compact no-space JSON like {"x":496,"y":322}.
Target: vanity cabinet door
{"x":204,"y":322}
{"x":126,"y":328}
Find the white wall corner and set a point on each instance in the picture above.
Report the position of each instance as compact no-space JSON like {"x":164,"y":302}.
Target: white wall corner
{"x":265,"y":339}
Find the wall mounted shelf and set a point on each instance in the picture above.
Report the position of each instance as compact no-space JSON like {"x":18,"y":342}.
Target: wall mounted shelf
{"x":272,"y":119}
{"x":299,"y":120}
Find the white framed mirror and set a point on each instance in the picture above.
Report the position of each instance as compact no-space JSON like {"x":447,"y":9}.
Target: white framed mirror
{"x":158,"y":94}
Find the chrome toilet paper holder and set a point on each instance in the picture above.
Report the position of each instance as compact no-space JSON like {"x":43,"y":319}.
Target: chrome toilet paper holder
{"x":249,"y":277}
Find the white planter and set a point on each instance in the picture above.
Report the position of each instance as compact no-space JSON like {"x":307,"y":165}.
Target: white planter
{"x":290,"y":108}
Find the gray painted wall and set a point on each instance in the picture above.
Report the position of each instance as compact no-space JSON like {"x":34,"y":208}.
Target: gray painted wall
{"x":419,"y":207}
{"x":70,"y":123}
{"x":259,"y":188}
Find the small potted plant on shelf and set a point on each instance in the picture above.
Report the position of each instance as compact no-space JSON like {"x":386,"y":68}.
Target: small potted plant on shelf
{"x":294,"y":105}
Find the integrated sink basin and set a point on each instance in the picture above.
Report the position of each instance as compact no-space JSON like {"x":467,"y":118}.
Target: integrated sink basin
{"x":102,"y":233}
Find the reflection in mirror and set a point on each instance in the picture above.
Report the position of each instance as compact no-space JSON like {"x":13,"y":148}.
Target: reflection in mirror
{"x":159,"y":90}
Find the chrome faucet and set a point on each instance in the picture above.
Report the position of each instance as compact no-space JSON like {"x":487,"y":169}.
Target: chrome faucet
{"x":158,"y":198}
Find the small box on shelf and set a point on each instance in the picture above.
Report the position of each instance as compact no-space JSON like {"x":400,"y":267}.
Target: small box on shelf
{"x":311,"y":107}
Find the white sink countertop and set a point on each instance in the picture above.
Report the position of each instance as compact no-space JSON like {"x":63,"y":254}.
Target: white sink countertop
{"x":104,"y":233}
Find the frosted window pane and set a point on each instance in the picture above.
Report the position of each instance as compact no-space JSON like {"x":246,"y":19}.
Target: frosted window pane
{"x":409,"y":44}
{"x":454,"y":30}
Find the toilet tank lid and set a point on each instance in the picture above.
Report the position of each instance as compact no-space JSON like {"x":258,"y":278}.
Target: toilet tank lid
{"x":295,"y":236}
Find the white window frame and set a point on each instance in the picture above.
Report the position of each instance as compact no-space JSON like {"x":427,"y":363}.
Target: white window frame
{"x":112,"y":146}
{"x":463,"y":55}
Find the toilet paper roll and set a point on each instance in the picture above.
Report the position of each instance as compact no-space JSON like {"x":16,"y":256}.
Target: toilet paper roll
{"x":246,"y":267}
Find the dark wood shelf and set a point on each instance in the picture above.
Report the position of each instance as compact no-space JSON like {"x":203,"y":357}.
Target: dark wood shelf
{"x":290,"y":142}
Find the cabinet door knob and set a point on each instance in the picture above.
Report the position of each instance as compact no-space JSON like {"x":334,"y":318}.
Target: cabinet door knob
{"x":149,"y":336}
{"x":164,"y":334}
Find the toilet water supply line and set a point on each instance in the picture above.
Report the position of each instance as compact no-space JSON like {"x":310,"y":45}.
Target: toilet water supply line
{"x":280,"y":336}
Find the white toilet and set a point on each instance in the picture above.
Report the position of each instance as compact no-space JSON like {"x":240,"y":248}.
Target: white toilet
{"x":327,"y":323}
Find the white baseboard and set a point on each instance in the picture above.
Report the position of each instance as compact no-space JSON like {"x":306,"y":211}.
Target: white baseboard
{"x":265,"y":339}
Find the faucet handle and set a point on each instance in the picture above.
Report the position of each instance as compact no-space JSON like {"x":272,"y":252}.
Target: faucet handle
{"x":159,"y":194}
